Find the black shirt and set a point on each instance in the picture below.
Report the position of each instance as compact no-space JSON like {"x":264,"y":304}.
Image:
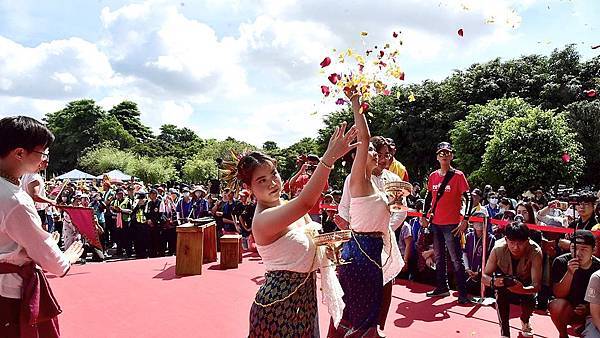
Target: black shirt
{"x":580,"y":280}
{"x":580,"y":225}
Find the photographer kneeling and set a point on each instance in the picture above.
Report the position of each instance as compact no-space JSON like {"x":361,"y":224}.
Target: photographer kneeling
{"x":514,"y":270}
{"x":571,"y":273}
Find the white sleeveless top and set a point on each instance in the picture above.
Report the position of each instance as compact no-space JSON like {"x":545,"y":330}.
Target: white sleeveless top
{"x":371,"y":214}
{"x":296,"y":251}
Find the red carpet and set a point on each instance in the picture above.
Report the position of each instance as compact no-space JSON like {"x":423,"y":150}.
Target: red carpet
{"x":144,"y":298}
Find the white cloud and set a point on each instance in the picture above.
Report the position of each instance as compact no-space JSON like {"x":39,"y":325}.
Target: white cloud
{"x":170,"y":55}
{"x":57,"y":69}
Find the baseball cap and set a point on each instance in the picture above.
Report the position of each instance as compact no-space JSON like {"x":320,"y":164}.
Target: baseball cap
{"x":444,"y":146}
{"x":584,"y":237}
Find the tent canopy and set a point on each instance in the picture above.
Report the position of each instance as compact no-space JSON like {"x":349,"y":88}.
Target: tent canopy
{"x":116,"y":175}
{"x":76,"y":175}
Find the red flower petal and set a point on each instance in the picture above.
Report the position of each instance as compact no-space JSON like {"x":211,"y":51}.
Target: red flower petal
{"x":590,"y":93}
{"x":325,"y":90}
{"x":364,"y":106}
{"x":360,"y":68}
{"x":460,"y":32}
{"x":566,"y":158}
{"x":395,"y":34}
{"x":326,"y":62}
{"x":381,"y":53}
{"x":402,"y":76}
{"x":333,"y":78}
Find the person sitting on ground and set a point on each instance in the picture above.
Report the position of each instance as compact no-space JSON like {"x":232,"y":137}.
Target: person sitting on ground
{"x":571,"y":273}
{"x":592,"y":296}
{"x":514,"y":270}
{"x":473,"y":252}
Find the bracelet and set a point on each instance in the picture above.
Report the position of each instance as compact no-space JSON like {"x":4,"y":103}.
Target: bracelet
{"x":330,"y":167}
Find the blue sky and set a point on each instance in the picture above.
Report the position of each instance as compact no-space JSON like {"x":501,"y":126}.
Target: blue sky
{"x":250,"y":69}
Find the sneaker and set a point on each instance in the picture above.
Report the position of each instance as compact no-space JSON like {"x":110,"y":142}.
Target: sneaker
{"x":438,"y":293}
{"x":526,"y":330}
{"x":464,"y":300}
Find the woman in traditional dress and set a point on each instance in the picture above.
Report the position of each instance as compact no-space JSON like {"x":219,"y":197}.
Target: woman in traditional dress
{"x":286,"y":304}
{"x":372,"y":252}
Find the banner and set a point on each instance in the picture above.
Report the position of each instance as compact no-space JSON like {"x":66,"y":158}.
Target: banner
{"x":83,"y":219}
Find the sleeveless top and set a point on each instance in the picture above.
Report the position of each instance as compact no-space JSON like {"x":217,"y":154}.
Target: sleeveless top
{"x":371,"y":213}
{"x":296,"y":251}
{"x":523,"y":268}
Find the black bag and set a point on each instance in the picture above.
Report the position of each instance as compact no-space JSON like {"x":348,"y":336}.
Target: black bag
{"x":440,"y":192}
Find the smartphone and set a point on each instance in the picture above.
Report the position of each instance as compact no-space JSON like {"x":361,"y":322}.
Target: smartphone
{"x":563,"y":206}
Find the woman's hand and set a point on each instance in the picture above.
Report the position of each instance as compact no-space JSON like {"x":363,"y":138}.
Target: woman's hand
{"x":340,"y":143}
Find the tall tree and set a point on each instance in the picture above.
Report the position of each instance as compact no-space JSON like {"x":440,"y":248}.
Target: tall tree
{"x":128,"y":114}
{"x":76,"y":128}
{"x":527,"y":151}
{"x":584,"y":118}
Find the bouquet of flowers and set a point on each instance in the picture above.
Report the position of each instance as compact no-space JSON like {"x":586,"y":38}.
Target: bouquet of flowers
{"x":369,"y":73}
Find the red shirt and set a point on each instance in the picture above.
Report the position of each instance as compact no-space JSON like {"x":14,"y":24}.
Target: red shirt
{"x":297,"y":186}
{"x":450,"y":205}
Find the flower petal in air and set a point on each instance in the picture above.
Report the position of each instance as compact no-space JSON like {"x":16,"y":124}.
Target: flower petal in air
{"x":461,"y":32}
{"x":395,"y":34}
{"x":340,"y":102}
{"x":364,"y":33}
{"x":326,"y":62}
{"x":325,"y":90}
{"x":333,"y":78}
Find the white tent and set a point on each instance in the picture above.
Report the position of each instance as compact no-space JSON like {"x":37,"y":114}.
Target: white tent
{"x":116,"y":175}
{"x":76,"y":175}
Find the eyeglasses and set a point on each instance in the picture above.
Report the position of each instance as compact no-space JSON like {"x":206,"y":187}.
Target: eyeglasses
{"x":45,"y":155}
{"x":386,"y":156}
{"x":444,"y":153}
{"x":585,"y":204}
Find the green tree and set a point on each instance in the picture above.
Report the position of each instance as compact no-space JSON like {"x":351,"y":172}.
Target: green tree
{"x":153,"y":170}
{"x":199,"y":167}
{"x":470,"y":136}
{"x":584,"y":118}
{"x":270,"y":146}
{"x":199,"y":170}
{"x":109,"y":128}
{"x":527,"y":151}
{"x":128,"y":114}
{"x":76,"y":128}
{"x":105,"y":158}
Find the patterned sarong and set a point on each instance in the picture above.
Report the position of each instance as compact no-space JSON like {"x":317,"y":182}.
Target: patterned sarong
{"x":294,"y":317}
{"x":362,"y":282}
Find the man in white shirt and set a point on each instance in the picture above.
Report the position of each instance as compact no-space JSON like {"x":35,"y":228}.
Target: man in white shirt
{"x":27,"y":306}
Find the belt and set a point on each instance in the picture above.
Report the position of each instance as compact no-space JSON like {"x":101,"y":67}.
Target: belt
{"x":375,"y":234}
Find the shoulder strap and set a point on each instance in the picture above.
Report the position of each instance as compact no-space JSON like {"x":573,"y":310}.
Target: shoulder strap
{"x":441,"y":190}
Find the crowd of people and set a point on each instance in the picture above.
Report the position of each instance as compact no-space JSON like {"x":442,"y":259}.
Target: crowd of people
{"x":442,"y":220}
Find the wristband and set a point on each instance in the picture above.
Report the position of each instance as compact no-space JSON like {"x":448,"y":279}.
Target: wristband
{"x":330,"y":167}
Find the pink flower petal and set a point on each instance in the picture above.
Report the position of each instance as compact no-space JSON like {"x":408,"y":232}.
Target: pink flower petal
{"x":326,"y":62}
{"x":325,"y":90}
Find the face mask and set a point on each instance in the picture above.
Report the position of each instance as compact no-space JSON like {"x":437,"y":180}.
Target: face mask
{"x":64,"y":198}
{"x":198,"y":194}
{"x":493,"y":201}
{"x":186,"y":194}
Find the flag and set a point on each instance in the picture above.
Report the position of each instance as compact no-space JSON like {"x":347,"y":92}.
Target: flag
{"x":83,"y":219}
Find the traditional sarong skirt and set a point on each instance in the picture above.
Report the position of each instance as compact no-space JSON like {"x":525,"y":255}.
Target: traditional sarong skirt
{"x":362,"y":282}
{"x":296,"y":316}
